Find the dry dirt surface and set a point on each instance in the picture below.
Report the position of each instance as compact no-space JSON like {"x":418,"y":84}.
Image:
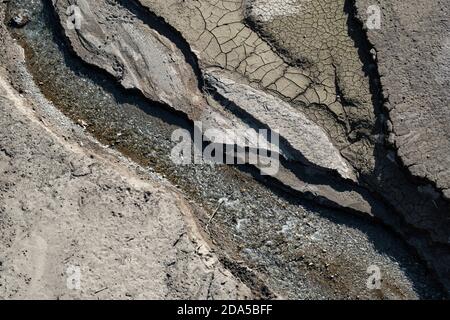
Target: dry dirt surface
{"x":88,"y":188}
{"x":68,"y":203}
{"x":414,"y":70}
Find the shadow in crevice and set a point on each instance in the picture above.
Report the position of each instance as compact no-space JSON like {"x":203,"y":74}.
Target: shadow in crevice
{"x":391,"y":180}
{"x":179,"y":120}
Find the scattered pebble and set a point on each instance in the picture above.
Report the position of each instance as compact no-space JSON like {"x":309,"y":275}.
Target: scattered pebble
{"x":20,"y":18}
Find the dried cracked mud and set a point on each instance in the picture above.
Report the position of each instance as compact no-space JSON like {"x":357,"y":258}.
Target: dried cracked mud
{"x":88,"y":183}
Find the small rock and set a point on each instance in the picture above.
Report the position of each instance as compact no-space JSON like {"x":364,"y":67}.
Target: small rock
{"x":20,"y":18}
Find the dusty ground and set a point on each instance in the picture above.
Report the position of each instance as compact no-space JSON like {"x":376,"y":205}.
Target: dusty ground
{"x":344,"y":200}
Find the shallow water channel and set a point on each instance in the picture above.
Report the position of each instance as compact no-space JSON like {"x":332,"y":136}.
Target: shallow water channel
{"x":275,"y":242}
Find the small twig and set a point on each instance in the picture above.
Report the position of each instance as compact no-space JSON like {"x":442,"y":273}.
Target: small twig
{"x":214,"y":214}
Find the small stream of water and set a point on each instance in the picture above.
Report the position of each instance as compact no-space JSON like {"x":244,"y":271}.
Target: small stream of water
{"x":298,"y":249}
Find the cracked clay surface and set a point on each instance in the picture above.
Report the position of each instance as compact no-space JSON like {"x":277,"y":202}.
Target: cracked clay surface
{"x":363,"y":179}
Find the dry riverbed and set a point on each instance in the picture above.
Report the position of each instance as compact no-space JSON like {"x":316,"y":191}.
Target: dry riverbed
{"x":87,"y":182}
